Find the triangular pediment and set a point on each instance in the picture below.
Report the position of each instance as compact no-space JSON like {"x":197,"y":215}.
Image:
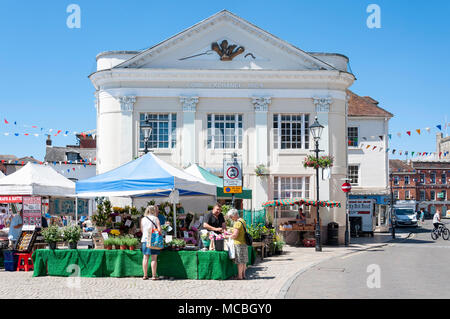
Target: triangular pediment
{"x":225,"y":41}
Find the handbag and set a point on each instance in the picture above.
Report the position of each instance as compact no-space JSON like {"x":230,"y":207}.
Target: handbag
{"x":156,"y":241}
{"x":247,"y":236}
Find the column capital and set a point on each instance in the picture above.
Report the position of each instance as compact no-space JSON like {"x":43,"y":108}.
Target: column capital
{"x":261,"y":103}
{"x":322,"y":104}
{"x":189,"y":103}
{"x":127,"y":103}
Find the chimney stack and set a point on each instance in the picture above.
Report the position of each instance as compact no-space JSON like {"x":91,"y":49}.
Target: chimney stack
{"x":48,"y":141}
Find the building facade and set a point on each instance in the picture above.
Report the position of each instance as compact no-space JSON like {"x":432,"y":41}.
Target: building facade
{"x":426,"y":182}
{"x":75,"y":162}
{"x":368,"y":162}
{"x":442,"y":146}
{"x":223,"y":86}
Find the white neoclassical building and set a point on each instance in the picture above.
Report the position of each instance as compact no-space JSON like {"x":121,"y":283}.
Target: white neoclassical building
{"x":222,"y":86}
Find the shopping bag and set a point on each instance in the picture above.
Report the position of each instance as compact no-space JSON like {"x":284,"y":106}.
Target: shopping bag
{"x":157,"y":240}
{"x":231,"y":250}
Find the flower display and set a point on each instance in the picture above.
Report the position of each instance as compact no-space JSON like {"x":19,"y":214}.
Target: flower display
{"x":214,"y":236}
{"x":115,"y":232}
{"x":322,"y":162}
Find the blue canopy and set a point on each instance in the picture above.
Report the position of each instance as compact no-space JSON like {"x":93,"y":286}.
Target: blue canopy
{"x":145,"y":176}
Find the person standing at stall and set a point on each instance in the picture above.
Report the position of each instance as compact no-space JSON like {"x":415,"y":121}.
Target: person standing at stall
{"x":240,"y":246}
{"x":15,"y":229}
{"x":215,"y":221}
{"x":148,"y":223}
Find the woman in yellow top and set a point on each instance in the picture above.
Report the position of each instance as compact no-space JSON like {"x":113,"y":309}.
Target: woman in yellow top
{"x":240,"y":246}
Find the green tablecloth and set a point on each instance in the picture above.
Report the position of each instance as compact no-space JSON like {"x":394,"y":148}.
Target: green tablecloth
{"x":126,"y":263}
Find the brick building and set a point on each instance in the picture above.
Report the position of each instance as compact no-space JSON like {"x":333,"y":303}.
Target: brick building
{"x":427,"y":182}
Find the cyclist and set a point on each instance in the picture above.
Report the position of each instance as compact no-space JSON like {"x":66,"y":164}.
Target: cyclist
{"x":437,"y":219}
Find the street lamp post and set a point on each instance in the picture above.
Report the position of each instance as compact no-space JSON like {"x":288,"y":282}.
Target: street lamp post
{"x":147,"y":130}
{"x":316,"y":132}
{"x":391,"y":177}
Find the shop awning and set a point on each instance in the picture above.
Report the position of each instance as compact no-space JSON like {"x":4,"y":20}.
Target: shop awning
{"x":203,"y":174}
{"x":300,"y":201}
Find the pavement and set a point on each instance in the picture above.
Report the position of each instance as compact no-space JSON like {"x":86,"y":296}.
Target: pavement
{"x":268,"y":279}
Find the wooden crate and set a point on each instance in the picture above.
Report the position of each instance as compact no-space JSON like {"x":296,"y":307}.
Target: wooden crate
{"x":98,"y":241}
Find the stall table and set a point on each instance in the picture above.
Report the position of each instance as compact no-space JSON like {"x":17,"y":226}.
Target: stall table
{"x":181,"y":264}
{"x":260,"y":245}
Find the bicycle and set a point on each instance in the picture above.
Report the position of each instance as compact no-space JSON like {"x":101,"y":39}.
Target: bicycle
{"x":440,"y":231}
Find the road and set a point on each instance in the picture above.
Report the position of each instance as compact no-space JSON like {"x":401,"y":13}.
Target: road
{"x":417,"y":267}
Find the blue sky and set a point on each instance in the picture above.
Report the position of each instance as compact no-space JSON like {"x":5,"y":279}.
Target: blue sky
{"x":44,"y":64}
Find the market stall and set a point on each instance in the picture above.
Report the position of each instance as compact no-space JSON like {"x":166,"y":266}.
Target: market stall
{"x":210,"y":265}
{"x":28,"y":190}
{"x":294,"y":225}
{"x":147,"y":176}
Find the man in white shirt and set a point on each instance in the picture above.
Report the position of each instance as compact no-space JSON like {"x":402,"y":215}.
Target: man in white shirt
{"x":437,"y":219}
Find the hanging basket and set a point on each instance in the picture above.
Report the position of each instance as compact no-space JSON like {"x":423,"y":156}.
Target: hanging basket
{"x":321,"y":162}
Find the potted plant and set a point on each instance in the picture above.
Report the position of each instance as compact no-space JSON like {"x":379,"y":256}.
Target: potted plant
{"x":100,"y":219}
{"x":72,"y":235}
{"x":204,"y":236}
{"x":255,"y":232}
{"x":115,"y":242}
{"x":108,"y":243}
{"x":122,"y":243}
{"x":132,"y":243}
{"x":279,"y":247}
{"x":52,"y":235}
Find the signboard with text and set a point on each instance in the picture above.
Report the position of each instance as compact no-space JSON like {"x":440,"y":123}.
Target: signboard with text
{"x":232,"y":175}
{"x":10,"y":199}
{"x":32,"y":210}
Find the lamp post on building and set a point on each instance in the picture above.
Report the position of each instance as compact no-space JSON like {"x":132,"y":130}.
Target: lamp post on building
{"x":316,"y":132}
{"x":147,"y":130}
{"x":391,"y":177}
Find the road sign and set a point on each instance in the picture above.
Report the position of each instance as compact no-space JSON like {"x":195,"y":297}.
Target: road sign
{"x":232,"y":175}
{"x":346,"y":187}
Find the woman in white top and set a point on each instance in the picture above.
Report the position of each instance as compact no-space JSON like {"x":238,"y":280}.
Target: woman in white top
{"x":148,"y":223}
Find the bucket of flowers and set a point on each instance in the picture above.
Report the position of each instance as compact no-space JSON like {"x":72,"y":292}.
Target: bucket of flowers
{"x":218,"y":241}
{"x":321,"y":162}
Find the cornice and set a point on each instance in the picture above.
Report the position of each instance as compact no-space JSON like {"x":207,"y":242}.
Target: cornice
{"x":119,"y":76}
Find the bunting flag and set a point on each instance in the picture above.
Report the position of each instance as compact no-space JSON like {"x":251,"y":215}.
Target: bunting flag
{"x":418,"y":131}
{"x":409,"y":133}
{"x":439,"y":127}
{"x":390,"y":136}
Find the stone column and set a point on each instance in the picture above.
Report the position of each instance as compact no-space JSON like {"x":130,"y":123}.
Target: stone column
{"x":188,"y":136}
{"x":115,"y":130}
{"x":126,"y":124}
{"x":261,"y":189}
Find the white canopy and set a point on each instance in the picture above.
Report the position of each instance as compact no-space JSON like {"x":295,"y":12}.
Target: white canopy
{"x":1,"y":174}
{"x":37,"y":180}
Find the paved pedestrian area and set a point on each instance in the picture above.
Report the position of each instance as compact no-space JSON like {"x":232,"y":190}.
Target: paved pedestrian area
{"x":268,"y":279}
